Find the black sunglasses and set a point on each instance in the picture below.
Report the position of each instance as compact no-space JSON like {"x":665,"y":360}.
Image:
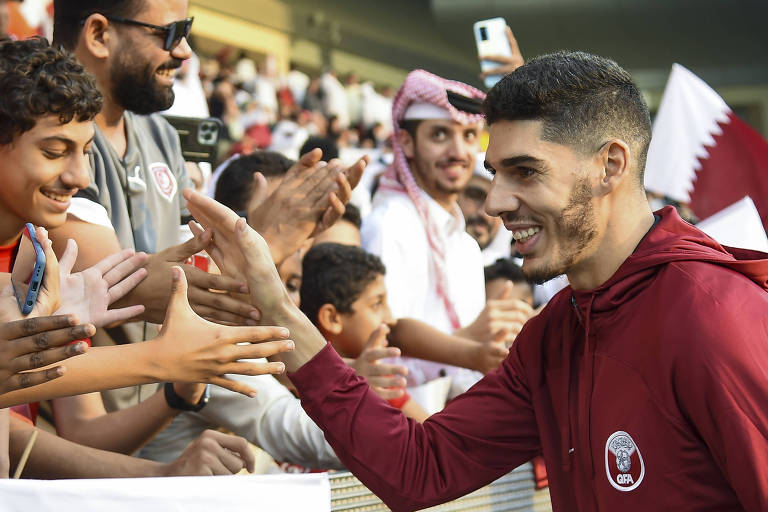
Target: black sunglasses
{"x":174,"y":32}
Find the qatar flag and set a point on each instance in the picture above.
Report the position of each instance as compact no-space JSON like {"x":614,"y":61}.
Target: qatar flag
{"x":701,"y":153}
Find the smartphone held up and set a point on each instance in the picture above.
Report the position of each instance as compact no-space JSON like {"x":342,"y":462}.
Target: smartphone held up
{"x":492,"y":41}
{"x":28,"y":270}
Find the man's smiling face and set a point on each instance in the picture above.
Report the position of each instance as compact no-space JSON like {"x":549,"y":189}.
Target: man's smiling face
{"x":543,"y":194}
{"x":442,"y":156}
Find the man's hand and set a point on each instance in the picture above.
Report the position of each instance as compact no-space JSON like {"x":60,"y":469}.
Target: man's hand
{"x":238,"y":250}
{"x":208,"y":293}
{"x":506,"y":64}
{"x":500,"y":314}
{"x":88,"y":294}
{"x":387,"y":380}
{"x":490,"y":354}
{"x":227,"y":253}
{"x":213,"y":453}
{"x":191,"y":349}
{"x":33,"y":343}
{"x":310,"y":199}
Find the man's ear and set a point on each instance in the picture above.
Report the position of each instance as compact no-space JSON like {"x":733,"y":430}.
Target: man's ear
{"x":329,"y":319}
{"x":406,"y":143}
{"x":95,"y":37}
{"x":614,"y":158}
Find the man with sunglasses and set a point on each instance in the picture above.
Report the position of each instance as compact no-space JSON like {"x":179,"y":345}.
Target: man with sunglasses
{"x":133,"y":48}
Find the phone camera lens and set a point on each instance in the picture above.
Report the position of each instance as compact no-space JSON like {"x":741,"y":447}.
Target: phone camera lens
{"x":483,"y":34}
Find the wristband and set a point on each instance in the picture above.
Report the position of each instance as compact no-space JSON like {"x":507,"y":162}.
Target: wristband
{"x":174,"y":401}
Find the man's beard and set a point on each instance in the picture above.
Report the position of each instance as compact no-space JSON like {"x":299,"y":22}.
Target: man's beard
{"x":576,"y":227}
{"x":135,"y":88}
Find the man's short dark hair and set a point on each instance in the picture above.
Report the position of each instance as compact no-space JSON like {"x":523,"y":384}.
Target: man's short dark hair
{"x":326,"y":144}
{"x":235,"y":184}
{"x":582,"y":100}
{"x":67,"y":15}
{"x":352,"y":215}
{"x":505,"y":268}
{"x":336,"y":274}
{"x":36,"y":81}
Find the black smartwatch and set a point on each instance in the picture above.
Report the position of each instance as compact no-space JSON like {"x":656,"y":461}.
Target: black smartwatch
{"x":174,"y":401}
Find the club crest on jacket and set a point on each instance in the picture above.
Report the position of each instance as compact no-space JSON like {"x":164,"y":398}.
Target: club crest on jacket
{"x":624,"y":464}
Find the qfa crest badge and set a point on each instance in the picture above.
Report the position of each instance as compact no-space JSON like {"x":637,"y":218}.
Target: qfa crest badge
{"x":624,"y":464}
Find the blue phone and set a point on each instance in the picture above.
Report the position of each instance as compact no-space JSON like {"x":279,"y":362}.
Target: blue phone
{"x":28,"y":269}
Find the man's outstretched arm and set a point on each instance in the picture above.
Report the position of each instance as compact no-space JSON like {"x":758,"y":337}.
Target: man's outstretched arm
{"x":477,"y":438}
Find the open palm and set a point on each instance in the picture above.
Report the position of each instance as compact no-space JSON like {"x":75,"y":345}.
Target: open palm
{"x":88,"y":294}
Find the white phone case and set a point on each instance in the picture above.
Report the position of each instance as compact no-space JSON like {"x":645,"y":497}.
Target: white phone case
{"x":491,"y":39}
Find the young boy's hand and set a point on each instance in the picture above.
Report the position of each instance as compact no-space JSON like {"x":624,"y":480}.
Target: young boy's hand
{"x":387,"y":380}
{"x":88,"y":294}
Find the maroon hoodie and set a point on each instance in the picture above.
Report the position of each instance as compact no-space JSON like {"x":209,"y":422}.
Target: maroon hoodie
{"x":649,"y":392}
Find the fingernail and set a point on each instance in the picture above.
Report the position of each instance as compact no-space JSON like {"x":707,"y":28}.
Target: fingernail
{"x":251,"y":394}
{"x":256,"y":314}
{"x":244,"y":288}
{"x":252,"y":323}
{"x":284,"y":333}
{"x":279,"y":368}
{"x":290,"y":345}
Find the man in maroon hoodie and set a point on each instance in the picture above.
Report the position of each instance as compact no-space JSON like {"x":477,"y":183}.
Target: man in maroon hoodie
{"x":644,"y":383}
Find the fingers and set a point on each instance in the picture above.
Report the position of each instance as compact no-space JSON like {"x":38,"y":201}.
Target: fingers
{"x":28,"y":379}
{"x":238,"y":446}
{"x":354,"y":173}
{"x":125,"y":285}
{"x":501,"y":59}
{"x":498,"y":305}
{"x":51,"y":279}
{"x":112,"y":261}
{"x":32,"y":326}
{"x":506,"y":291}
{"x":516,"y":53}
{"x":180,"y":253}
{"x":209,"y":212}
{"x":197,"y":229}
{"x":68,"y":258}
{"x":203,"y":280}
{"x":47,"y":357}
{"x":344,"y":193}
{"x":310,"y":159}
{"x":234,"y":385}
{"x":222,"y":306}
{"x":255,"y":369}
{"x":255,"y":350}
{"x":386,"y":381}
{"x":331,"y":215}
{"x":381,"y":369}
{"x":259,"y":194}
{"x":378,"y":338}
{"x":388,"y":393}
{"x":116,"y":316}
{"x":220,"y":316}
{"x":178,"y":301}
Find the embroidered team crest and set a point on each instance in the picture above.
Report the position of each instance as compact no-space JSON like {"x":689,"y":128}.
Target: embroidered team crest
{"x":624,"y":464}
{"x":164,"y":179}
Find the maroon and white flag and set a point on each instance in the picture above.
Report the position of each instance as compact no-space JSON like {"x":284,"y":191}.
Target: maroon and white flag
{"x":701,"y":153}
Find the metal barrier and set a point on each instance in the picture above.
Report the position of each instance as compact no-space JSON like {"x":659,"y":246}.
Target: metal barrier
{"x":513,"y":492}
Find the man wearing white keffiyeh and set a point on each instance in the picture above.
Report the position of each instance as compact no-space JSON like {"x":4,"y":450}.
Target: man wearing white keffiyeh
{"x":434,"y":268}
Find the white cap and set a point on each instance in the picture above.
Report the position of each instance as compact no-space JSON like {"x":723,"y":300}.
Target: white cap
{"x":422,"y":110}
